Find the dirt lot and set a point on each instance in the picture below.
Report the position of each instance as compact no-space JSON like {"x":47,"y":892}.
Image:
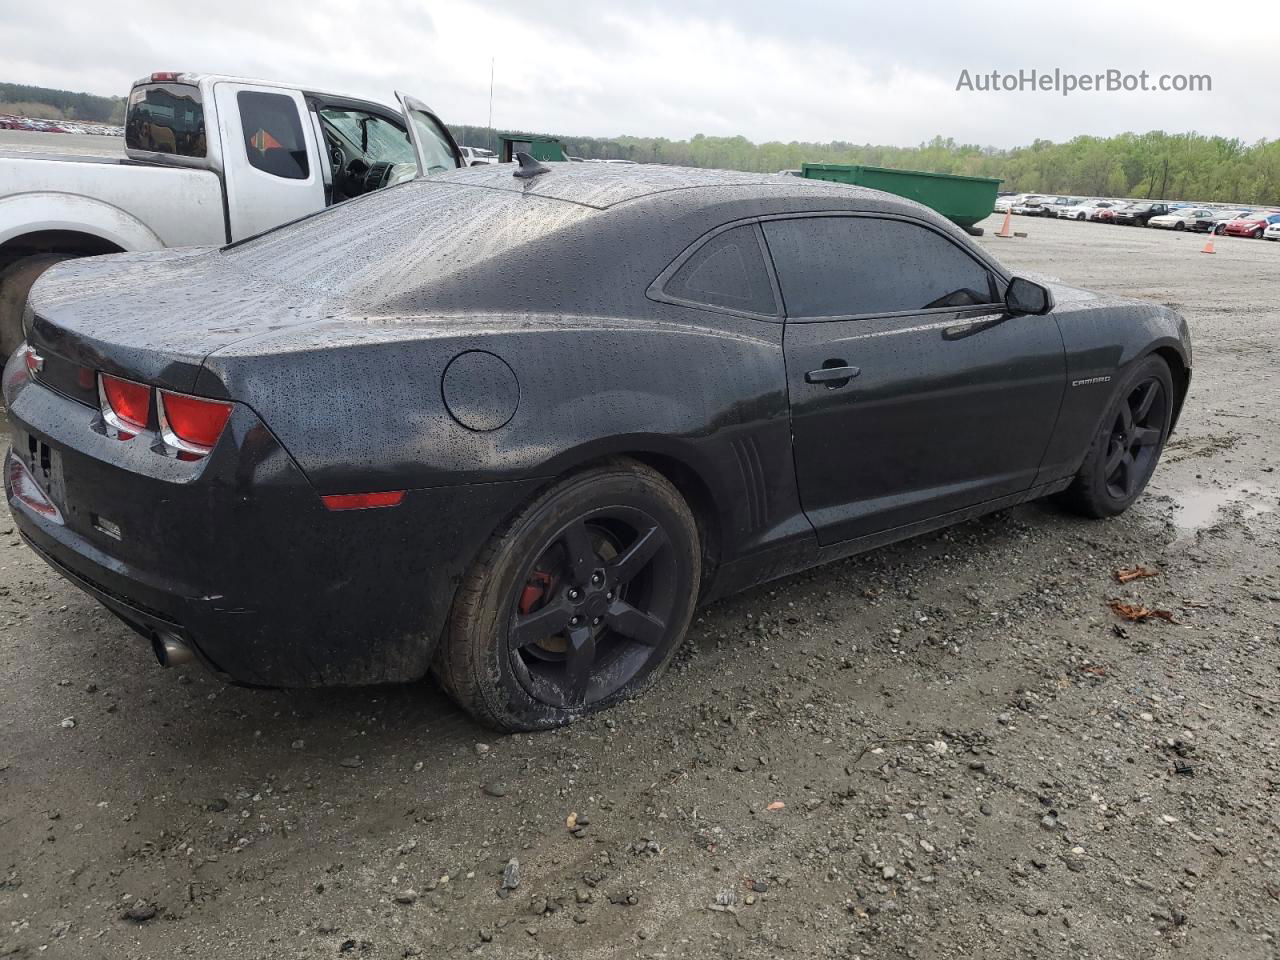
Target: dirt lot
{"x":976,"y":756}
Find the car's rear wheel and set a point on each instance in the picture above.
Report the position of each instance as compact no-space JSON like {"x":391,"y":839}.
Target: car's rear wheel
{"x":1179,"y":225}
{"x":579,"y":602}
{"x":1128,"y":445}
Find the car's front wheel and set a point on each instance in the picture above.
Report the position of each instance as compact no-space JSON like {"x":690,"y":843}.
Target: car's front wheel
{"x":577,"y":603}
{"x":1128,"y":445}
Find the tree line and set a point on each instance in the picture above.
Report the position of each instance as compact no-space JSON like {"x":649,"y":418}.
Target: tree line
{"x":1158,"y":165}
{"x":63,"y":104}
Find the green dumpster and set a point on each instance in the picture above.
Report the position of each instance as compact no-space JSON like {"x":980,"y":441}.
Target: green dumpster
{"x":540,"y":148}
{"x":962,"y":200}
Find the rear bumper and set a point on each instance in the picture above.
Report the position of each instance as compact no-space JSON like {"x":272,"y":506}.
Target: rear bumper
{"x":237,"y":556}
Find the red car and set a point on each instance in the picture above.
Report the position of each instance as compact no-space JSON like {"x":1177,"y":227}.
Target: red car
{"x":1105,"y":216}
{"x":1252,"y":226}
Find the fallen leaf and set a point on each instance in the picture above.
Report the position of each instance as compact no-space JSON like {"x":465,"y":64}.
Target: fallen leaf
{"x":776,"y":805}
{"x":1140,"y":613}
{"x":1127,"y":574}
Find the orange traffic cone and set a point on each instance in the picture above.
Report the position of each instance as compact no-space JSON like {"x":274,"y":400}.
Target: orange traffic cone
{"x":1006,"y":227}
{"x":1208,"y":246}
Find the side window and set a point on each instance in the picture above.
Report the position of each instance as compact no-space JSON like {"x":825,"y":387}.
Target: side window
{"x":727,"y":271}
{"x":851,"y":266}
{"x":273,"y":140}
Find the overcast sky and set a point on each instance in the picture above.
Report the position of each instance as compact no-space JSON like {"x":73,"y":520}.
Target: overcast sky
{"x":877,"y":72}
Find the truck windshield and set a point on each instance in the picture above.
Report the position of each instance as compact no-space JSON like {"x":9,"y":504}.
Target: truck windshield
{"x":385,"y":140}
{"x":165,"y":118}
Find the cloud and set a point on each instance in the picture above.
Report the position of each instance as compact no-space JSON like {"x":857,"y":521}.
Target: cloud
{"x":863,"y":72}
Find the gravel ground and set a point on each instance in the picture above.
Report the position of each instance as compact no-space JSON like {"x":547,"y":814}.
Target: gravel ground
{"x":946,"y":748}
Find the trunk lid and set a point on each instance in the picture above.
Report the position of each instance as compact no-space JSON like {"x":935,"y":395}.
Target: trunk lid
{"x":152,"y":317}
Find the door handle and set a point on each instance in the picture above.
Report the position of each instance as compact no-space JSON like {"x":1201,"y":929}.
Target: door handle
{"x":834,"y":373}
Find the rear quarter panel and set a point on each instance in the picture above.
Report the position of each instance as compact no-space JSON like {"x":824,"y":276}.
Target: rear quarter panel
{"x":360,"y":406}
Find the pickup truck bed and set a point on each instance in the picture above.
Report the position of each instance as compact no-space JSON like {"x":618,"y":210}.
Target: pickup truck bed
{"x":107,"y":186}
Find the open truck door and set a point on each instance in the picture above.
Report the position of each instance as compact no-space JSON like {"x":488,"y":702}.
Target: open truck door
{"x":433,"y":143}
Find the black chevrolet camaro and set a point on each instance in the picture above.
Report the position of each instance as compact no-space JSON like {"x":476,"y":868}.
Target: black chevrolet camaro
{"x":513,"y":429}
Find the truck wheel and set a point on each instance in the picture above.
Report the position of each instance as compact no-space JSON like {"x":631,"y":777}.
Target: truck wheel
{"x":16,"y":281}
{"x":973,"y":231}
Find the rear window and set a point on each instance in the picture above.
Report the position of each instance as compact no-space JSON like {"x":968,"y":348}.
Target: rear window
{"x":165,"y":118}
{"x":405,"y":237}
{"x":273,"y":139}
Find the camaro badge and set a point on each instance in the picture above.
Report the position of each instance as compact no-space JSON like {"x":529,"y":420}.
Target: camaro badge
{"x":1085,"y":383}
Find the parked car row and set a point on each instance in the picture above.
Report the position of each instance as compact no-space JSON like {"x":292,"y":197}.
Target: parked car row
{"x":1256,"y":223}
{"x":11,"y":122}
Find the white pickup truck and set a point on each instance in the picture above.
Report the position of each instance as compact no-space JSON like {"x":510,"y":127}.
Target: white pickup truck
{"x":208,"y":160}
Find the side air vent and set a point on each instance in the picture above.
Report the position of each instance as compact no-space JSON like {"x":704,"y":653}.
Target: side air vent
{"x":747,"y":453}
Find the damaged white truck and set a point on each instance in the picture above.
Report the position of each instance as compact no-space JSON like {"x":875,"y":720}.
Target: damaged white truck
{"x":208,"y":160}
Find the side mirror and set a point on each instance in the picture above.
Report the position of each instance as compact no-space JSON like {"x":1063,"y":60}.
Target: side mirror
{"x":1025,"y":296}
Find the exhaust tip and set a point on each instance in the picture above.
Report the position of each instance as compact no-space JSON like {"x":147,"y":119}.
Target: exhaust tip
{"x":170,"y":651}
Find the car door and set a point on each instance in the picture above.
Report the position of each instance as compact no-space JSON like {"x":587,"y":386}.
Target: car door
{"x":268,"y":157}
{"x":436,"y":149}
{"x":913,"y":391}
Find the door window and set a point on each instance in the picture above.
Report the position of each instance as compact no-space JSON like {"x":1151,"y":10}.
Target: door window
{"x":728,"y":271}
{"x":859,"y":266}
{"x":273,"y":140}
{"x":437,"y":149}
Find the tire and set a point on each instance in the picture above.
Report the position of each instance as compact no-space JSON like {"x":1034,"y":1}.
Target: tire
{"x":1219,"y":231}
{"x":500,"y":660}
{"x":974,"y":231}
{"x":1179,"y":225}
{"x":16,"y":281}
{"x":1127,"y":447}
{"x":1257,"y":234}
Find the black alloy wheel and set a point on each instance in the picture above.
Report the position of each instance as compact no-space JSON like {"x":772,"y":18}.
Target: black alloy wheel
{"x":1137,"y":434}
{"x":594,"y":608}
{"x":578,"y":602}
{"x":1127,"y":448}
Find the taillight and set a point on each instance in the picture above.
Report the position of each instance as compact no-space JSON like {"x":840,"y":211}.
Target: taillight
{"x":191,"y":425}
{"x":363,"y":501}
{"x":125,"y":405}
{"x":32,"y":360}
{"x":165,"y":76}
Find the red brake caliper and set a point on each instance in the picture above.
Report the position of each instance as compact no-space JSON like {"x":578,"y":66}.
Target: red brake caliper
{"x":538,"y":586}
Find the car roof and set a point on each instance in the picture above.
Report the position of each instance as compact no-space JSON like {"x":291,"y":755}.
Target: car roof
{"x":604,"y":185}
